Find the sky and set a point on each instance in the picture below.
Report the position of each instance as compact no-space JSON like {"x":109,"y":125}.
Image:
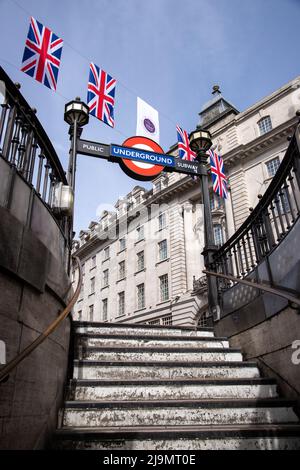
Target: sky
{"x":168,"y":52}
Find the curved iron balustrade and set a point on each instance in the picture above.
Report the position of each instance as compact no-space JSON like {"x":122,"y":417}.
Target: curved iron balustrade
{"x":25,"y":144}
{"x":270,"y":221}
{"x":6,"y":370}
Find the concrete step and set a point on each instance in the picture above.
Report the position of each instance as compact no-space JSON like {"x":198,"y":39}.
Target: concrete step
{"x":131,"y":329}
{"x":176,"y":389}
{"x":242,"y":437}
{"x":159,"y":354}
{"x":176,"y":412}
{"x":163,"y":370}
{"x":97,"y":340}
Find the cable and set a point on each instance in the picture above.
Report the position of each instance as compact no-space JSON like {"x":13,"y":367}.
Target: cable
{"x":133,"y":92}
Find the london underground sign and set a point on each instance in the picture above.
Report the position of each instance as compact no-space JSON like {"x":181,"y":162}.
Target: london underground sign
{"x":144,"y":159}
{"x":139,"y":157}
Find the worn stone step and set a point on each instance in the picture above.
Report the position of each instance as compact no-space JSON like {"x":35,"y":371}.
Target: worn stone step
{"x":131,"y":329}
{"x":242,"y":437}
{"x":86,"y":369}
{"x":159,"y":354}
{"x":97,"y":340}
{"x":176,"y":412}
{"x":174,"y":389}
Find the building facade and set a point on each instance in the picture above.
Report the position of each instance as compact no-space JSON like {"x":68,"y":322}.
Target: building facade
{"x":140,"y":260}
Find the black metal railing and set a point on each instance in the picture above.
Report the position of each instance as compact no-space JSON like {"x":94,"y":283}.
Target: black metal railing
{"x":267,"y":225}
{"x":25,"y":144}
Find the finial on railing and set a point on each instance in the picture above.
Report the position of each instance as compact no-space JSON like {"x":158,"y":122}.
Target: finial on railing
{"x":18,"y":85}
{"x":259,"y":196}
{"x":250,"y":209}
{"x":34,"y":110}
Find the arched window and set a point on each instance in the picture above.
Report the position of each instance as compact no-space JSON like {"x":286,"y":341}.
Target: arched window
{"x":265,"y":125}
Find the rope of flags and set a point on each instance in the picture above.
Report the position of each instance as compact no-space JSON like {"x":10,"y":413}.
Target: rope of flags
{"x":42,"y":59}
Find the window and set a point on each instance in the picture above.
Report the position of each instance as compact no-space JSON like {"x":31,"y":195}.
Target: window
{"x":161,"y":221}
{"x":93,"y":262}
{"x":167,"y":320}
{"x":92,"y":285}
{"x":140,"y":261}
{"x":82,"y":291}
{"x":218,"y":234}
{"x":157,"y":186}
{"x":138,"y":199}
{"x":202,"y":322}
{"x":122,"y":270}
{"x":140,"y":296}
{"x":140,"y":232}
{"x":83,"y":269}
{"x":272,"y":166}
{"x":215,"y":202}
{"x":91,"y":312}
{"x":106,"y":253}
{"x":163,"y":250}
{"x":104,"y":309}
{"x":164,"y":287}
{"x":265,"y":125}
{"x":79,"y":315}
{"x":121,"y":303}
{"x":122,"y":244}
{"x":105,"y":278}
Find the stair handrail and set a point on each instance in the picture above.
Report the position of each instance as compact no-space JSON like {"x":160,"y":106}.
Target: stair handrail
{"x":256,"y":285}
{"x":5,"y":371}
{"x":269,"y":222}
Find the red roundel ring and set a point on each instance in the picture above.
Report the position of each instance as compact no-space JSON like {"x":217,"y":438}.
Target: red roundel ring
{"x":140,"y":170}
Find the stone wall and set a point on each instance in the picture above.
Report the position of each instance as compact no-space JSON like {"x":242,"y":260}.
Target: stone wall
{"x":34,"y":288}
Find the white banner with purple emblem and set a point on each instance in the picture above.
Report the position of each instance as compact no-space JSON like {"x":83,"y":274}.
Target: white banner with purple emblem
{"x":147,"y":121}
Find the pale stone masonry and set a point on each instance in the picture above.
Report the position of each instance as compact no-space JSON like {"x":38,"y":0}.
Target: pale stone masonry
{"x":252,"y":144}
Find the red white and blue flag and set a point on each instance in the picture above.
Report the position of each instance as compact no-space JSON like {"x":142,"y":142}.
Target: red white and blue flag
{"x":41,"y":58}
{"x":218,"y":175}
{"x":101,"y":95}
{"x":184,"y":149}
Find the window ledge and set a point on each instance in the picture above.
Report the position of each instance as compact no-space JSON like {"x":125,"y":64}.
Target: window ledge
{"x":122,"y":279}
{"x":92,"y":293}
{"x":162,"y":261}
{"x":94,"y":267}
{"x":106,"y":259}
{"x":105,"y":287}
{"x":139,"y":271}
{"x":121,"y":251}
{"x":138,"y":241}
{"x":120,"y":316}
{"x":164,"y":302}
{"x":139,"y":310}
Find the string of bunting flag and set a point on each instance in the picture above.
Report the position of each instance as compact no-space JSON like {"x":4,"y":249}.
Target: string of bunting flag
{"x":42,"y":60}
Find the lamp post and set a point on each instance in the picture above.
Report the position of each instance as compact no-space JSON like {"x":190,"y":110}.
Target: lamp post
{"x":200,"y":143}
{"x":77,"y":116}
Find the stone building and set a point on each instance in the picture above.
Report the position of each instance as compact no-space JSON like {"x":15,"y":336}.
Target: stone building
{"x":140,"y":261}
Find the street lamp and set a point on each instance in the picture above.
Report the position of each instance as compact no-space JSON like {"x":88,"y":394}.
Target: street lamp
{"x":200,"y":143}
{"x":77,"y":116}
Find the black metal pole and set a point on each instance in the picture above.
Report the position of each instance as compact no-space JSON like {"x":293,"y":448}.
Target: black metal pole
{"x":209,"y":242}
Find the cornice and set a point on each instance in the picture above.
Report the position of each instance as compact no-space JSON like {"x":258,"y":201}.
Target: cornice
{"x":260,"y":143}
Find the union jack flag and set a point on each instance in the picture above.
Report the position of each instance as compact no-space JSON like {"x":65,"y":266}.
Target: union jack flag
{"x":217,"y":172}
{"x":184,"y":149}
{"x":41,"y":58}
{"x":101,"y":95}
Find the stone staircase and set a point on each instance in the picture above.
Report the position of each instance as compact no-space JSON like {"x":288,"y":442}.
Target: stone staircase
{"x":169,"y":388}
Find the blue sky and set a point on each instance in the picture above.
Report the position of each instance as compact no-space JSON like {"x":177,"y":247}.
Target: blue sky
{"x":168,"y":52}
